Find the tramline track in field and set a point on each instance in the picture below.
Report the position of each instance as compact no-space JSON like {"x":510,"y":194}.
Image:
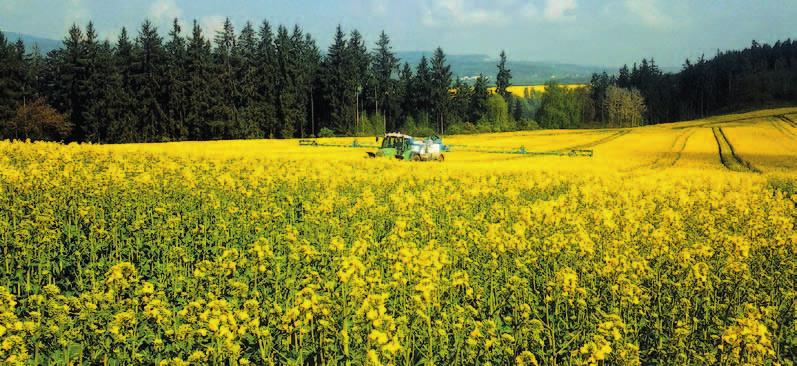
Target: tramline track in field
{"x":728,"y":156}
{"x":784,"y":130}
{"x":600,"y":141}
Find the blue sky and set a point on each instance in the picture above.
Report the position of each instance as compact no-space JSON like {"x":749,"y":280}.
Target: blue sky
{"x":606,"y":33}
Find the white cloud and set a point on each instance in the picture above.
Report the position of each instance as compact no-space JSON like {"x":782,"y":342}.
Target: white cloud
{"x":164,"y":11}
{"x":379,"y":7}
{"x":558,"y":9}
{"x":461,"y":12}
{"x":76,"y":13}
{"x":211,"y":24}
{"x":649,"y":13}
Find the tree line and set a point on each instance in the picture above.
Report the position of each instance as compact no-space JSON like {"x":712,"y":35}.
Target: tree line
{"x":254,"y":83}
{"x":761,"y":74}
{"x":263,"y":81}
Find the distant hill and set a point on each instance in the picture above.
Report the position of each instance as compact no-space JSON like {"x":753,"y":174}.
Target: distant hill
{"x":466,"y":66}
{"x":469,"y":66}
{"x":45,"y":44}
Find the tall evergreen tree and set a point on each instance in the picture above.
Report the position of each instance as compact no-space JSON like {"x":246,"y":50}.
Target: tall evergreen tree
{"x":287,"y":98}
{"x":11,"y":84}
{"x":503,"y":78}
{"x":247,"y":79}
{"x":225,"y":112}
{"x":385,"y":64}
{"x":199,"y":67}
{"x":478,"y":99}
{"x":175,"y":84}
{"x":422,"y":91}
{"x":97,"y":68}
{"x":68,"y":79}
{"x":405,"y":95}
{"x":265,"y":99}
{"x":123,"y":126}
{"x":357,"y":71}
{"x":35,"y":64}
{"x":311,"y":64}
{"x":441,"y":83}
{"x":339,"y":88}
{"x":147,"y":81}
{"x":460,"y":101}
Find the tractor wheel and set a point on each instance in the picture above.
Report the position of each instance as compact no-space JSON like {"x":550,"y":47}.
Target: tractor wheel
{"x":442,"y":158}
{"x":415,"y":157}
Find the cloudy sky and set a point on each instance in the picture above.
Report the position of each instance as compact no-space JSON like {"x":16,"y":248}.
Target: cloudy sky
{"x":605,"y":33}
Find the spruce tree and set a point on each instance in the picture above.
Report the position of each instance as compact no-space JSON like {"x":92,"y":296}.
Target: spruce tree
{"x":441,"y":83}
{"x":10,"y":86}
{"x":198,"y":69}
{"x":478,"y":99}
{"x":225,"y":112}
{"x":68,"y":80}
{"x":175,"y":84}
{"x":385,"y":64}
{"x":247,"y":79}
{"x":287,"y":97}
{"x":422,"y":92}
{"x":95,"y":64}
{"x":404,"y":93}
{"x":265,"y":98}
{"x":310,"y":64}
{"x":357,"y":72}
{"x":147,"y":80}
{"x":503,"y":78}
{"x":34,"y":70}
{"x":338,"y":90}
{"x":123,"y":126}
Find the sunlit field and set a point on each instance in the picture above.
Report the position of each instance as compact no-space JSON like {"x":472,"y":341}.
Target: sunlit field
{"x":672,"y":244}
{"x":521,"y":90}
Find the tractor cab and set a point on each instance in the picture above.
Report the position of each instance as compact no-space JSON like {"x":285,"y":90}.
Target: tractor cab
{"x":396,"y":144}
{"x":405,"y":147}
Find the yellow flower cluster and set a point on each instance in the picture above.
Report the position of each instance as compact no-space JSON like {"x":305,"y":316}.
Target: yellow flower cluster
{"x":264,"y":252}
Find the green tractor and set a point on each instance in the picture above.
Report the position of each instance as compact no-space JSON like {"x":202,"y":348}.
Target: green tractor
{"x":405,"y":147}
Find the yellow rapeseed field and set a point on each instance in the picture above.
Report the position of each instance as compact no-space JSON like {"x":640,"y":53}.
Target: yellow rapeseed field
{"x":521,"y":90}
{"x":673,"y":244}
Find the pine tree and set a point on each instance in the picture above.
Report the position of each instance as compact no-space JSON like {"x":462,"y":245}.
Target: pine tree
{"x":460,"y":101}
{"x":357,"y":72}
{"x":247,"y":78}
{"x":175,"y":84}
{"x":338,"y":88}
{"x":147,"y":80}
{"x":123,"y":125}
{"x":95,"y":65}
{"x":311,"y":64}
{"x":265,"y":98}
{"x":287,"y":97}
{"x":199,"y":66}
{"x":422,"y":91}
{"x":67,"y":79}
{"x":300,"y":77}
{"x":404,"y":95}
{"x":478,"y":99}
{"x":225,"y":112}
{"x":441,"y":83}
{"x":503,"y":78}
{"x":11,"y":85}
{"x":34,"y":71}
{"x":385,"y":64}
{"x":624,"y":78}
